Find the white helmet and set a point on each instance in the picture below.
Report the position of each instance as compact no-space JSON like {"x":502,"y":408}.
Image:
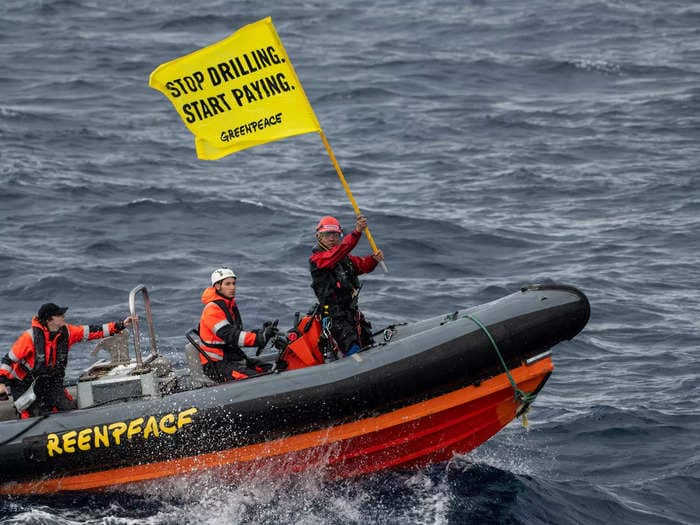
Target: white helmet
{"x":220,"y":274}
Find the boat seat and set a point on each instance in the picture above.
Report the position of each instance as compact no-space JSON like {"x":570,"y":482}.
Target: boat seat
{"x":197,"y":375}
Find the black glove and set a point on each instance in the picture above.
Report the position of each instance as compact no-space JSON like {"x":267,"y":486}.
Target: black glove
{"x":268,"y":331}
{"x":280,"y":342}
{"x":119,"y":326}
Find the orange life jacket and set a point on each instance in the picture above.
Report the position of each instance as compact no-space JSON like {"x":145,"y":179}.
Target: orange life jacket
{"x":219,"y":312}
{"x":35,"y":352}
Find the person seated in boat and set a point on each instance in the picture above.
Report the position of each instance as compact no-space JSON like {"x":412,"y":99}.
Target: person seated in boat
{"x":222,"y":335}
{"x":36,"y":363}
{"x":334,"y":275}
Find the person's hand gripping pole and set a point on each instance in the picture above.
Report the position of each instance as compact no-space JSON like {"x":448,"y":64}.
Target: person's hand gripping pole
{"x":377,"y":253}
{"x":361,"y":225}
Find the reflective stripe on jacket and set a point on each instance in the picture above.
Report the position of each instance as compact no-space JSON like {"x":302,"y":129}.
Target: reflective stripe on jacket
{"x":22,"y":361}
{"x":221,"y":329}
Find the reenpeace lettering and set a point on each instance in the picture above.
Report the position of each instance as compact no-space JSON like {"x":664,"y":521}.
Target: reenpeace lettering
{"x":251,"y":127}
{"x":116,"y":433}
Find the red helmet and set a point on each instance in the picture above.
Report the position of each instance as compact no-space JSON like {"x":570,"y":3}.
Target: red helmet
{"x":328,"y":224}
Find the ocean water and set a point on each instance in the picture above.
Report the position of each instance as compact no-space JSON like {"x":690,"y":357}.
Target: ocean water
{"x":490,"y":144}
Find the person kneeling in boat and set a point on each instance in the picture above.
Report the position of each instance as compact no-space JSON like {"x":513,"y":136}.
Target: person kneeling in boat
{"x":35,"y":367}
{"x":222,"y":335}
{"x":334,"y":275}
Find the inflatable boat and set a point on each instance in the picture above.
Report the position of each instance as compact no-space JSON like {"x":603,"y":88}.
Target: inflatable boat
{"x":422,"y":392}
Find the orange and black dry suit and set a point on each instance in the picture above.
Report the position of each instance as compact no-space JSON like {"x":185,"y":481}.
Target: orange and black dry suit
{"x":221,"y":332}
{"x":334,"y":279}
{"x":42,"y":356}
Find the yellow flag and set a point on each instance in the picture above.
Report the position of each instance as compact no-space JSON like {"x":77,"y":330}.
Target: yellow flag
{"x":237,"y":93}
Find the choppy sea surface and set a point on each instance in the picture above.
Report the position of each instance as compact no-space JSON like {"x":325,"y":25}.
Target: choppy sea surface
{"x":490,"y":144}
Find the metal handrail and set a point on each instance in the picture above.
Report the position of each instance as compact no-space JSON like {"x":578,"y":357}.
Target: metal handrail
{"x":135,"y":322}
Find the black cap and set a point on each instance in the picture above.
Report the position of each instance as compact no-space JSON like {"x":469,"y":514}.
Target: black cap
{"x":48,"y":310}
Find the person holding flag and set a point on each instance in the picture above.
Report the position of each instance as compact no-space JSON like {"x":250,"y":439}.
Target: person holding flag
{"x":334,"y":274}
{"x":242,"y":92}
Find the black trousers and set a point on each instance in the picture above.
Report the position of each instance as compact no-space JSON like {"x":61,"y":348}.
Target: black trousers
{"x":350,"y":327}
{"x":50,"y":393}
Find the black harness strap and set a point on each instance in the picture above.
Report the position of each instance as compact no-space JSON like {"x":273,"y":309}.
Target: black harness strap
{"x":237,"y":322}
{"x":40,"y":365}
